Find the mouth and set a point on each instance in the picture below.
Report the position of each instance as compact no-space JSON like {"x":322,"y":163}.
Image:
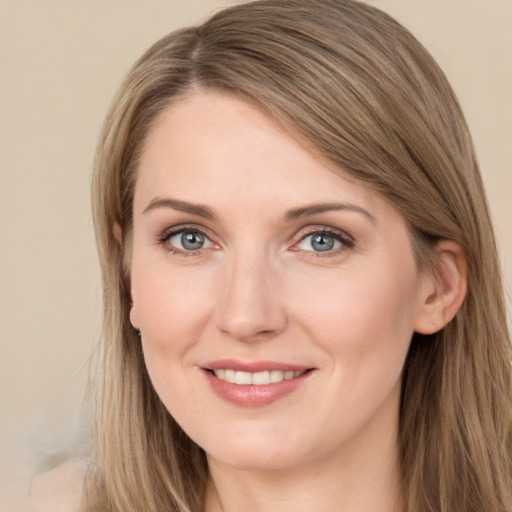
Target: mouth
{"x":262,"y":378}
{"x":254,"y":384}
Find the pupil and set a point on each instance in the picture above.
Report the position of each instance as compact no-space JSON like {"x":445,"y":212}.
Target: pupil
{"x":322,"y":242}
{"x":192,"y":241}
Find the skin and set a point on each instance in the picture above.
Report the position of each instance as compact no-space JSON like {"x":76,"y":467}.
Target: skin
{"x":258,"y":290}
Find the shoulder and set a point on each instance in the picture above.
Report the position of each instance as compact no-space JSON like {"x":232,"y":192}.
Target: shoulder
{"x":59,"y":489}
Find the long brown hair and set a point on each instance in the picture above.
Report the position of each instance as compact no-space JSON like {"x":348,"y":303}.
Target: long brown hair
{"x":357,"y":89}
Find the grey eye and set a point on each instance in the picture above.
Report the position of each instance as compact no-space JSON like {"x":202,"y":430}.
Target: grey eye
{"x":189,"y":241}
{"x":322,"y":242}
{"x":319,"y":242}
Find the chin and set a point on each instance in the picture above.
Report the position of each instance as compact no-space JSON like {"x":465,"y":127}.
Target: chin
{"x":257,"y":459}
{"x":257,"y":454}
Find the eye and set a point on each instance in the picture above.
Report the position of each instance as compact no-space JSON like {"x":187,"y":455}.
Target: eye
{"x":188,"y":240}
{"x":324,"y":242}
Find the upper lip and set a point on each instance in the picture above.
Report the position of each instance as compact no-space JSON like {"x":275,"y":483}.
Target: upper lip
{"x":253,"y":366}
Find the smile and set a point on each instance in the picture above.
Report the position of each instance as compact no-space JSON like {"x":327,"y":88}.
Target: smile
{"x":254,"y":384}
{"x":262,"y":378}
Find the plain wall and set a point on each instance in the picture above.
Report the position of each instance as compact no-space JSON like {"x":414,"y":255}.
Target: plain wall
{"x":60,"y":63}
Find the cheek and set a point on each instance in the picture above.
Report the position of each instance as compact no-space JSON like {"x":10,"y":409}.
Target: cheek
{"x":168,"y":302}
{"x":171,"y":307}
{"x":364,"y":318}
{"x":168,"y":312}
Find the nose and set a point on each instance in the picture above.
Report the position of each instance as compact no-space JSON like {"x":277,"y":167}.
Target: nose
{"x":251,"y":306}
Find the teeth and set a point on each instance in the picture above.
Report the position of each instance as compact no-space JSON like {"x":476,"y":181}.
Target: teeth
{"x":261,"y":378}
{"x":258,"y":378}
{"x":276,"y":376}
{"x":243,"y":378}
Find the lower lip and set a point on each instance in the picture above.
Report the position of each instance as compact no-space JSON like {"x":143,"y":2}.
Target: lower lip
{"x":250,"y":395}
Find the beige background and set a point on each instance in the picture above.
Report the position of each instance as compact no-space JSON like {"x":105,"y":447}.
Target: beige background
{"x":60,"y":63}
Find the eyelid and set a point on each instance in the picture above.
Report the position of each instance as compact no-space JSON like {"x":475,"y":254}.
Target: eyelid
{"x":347,"y":241}
{"x":164,"y":236}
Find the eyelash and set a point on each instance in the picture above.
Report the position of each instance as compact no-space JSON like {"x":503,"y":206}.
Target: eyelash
{"x":346,"y":241}
{"x":163,"y":239}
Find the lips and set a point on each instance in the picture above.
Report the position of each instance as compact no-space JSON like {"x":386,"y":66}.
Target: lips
{"x":254,"y":384}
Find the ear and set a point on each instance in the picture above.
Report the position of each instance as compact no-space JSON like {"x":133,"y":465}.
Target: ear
{"x":118,"y":236}
{"x":118,"y":233}
{"x":134,"y":317}
{"x":444,"y":288}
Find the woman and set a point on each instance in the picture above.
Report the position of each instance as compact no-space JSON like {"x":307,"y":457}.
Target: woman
{"x":303,"y":306}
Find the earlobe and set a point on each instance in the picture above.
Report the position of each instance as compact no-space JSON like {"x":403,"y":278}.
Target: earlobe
{"x":444,"y":288}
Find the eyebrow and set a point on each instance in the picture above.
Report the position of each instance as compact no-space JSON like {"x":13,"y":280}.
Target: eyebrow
{"x":315,"y":209}
{"x":182,"y":206}
{"x":294,"y":214}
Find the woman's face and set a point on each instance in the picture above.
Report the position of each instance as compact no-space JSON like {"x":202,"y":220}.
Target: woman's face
{"x":276,"y":299}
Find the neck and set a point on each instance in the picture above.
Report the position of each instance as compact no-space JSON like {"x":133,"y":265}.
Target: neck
{"x":361,"y":478}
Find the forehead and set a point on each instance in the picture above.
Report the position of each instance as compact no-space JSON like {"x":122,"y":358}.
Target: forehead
{"x":215,"y":149}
